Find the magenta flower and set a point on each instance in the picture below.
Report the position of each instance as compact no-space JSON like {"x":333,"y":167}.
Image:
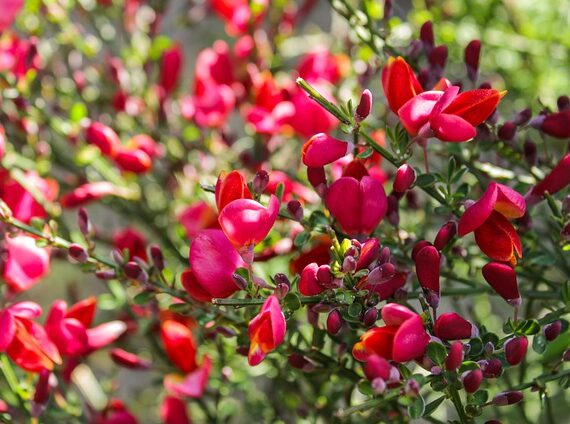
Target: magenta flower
{"x":455,"y":356}
{"x":322,"y":149}
{"x":555,"y":181}
{"x":266,"y":330}
{"x":246,"y":222}
{"x":515,"y":349}
{"x":503,"y":279}
{"x":213,"y":260}
{"x":25,"y":263}
{"x":10,"y":9}
{"x":427,"y":261}
{"x":358,"y":205}
{"x":170,"y":67}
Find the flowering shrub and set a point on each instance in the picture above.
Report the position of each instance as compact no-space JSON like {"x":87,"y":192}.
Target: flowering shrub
{"x":349,"y":232}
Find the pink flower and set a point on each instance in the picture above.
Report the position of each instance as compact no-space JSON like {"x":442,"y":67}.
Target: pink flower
{"x":89,"y":192}
{"x":321,"y":149}
{"x":246,"y":222}
{"x":405,"y":177}
{"x":131,"y":240}
{"x":358,"y":205}
{"x":402,"y":339}
{"x":230,"y":186}
{"x":266,"y":330}
{"x":213,"y":260}
{"x":18,"y":56}
{"x":196,"y":217}
{"x":23,"y":205}
{"x":321,"y":65}
{"x":104,"y":137}
{"x":452,"y":326}
{"x":515,"y":349}
{"x":25,"y":263}
{"x":239,"y":14}
{"x":310,"y":118}
{"x":10,"y":9}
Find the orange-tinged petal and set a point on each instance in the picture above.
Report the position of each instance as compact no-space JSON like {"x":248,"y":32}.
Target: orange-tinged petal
{"x":399,"y":82}
{"x":498,"y":239}
{"x":475,"y":106}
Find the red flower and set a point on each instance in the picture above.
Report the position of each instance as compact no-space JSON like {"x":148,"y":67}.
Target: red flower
{"x":229,"y":187}
{"x":503,"y":279}
{"x":452,"y":326}
{"x":321,"y":149}
{"x":489,"y":218}
{"x":402,"y":339}
{"x":266,"y":330}
{"x":131,"y":240}
{"x":170,"y":67}
{"x":555,"y":181}
{"x":399,"y":82}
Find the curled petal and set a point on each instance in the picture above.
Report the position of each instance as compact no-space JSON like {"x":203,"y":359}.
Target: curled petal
{"x":266,"y":330}
{"x":396,"y":314}
{"x":378,"y":341}
{"x":555,"y":181}
{"x":229,"y":187}
{"x":105,"y":334}
{"x":309,"y":283}
{"x":498,"y":239}
{"x":509,"y":202}
{"x":416,"y":112}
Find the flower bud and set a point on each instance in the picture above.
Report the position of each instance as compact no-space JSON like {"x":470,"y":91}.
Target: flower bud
{"x":552,"y":330}
{"x":260,"y":181}
{"x":295,"y":210}
{"x":507,"y":131}
{"x":419,"y":246}
{"x":427,"y":270}
{"x":522,"y":117}
{"x":454,"y":357}
{"x":412,"y":388}
{"x":106,"y":274}
{"x":41,"y":395}
{"x":129,"y":360}
{"x":405,"y":177}
{"x":566,"y":355}
{"x":472,"y":380}
{"x":349,"y":264}
{"x":83,"y":222}
{"x":324,"y":275}
{"x":364,"y":106}
{"x":563,"y":103}
{"x":132,"y":270}
{"x":392,"y":213}
{"x":377,"y":367}
{"x":322,"y":149}
{"x":491,"y":368}
{"x":318,"y":179}
{"x":387,"y":9}
{"x":281,"y":278}
{"x":503,"y":279}
{"x":445,"y":234}
{"x":334,"y":322}
{"x":77,"y":253}
{"x":156,"y":257}
{"x":103,"y":137}
{"x":530,"y":153}
{"x":281,"y":290}
{"x":385,"y":255}
{"x":452,"y":326}
{"x":437,"y":57}
{"x":489,"y":348}
{"x":240,"y":281}
{"x":370,"y":317}
{"x":515,"y":349}
{"x":472,"y":55}
{"x":507,"y":398}
{"x":369,"y":252}
{"x":378,"y":385}
{"x":426,"y":36}
{"x":300,"y":362}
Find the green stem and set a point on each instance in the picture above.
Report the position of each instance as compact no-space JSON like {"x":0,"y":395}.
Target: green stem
{"x":365,"y":406}
{"x":544,"y":378}
{"x":456,"y":399}
{"x":308,"y":300}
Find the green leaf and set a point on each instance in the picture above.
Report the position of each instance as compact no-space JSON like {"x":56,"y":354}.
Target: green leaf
{"x":432,"y":406}
{"x":417,"y":407}
{"x":539,"y":343}
{"x":468,"y":366}
{"x":354,"y":310}
{"x":292,"y":301}
{"x":527,"y":327}
{"x":556,"y":348}
{"x":425,"y":180}
{"x":566,"y":292}
{"x":437,"y":353}
{"x":480,"y":397}
{"x":77,"y":112}
{"x":365,"y":154}
{"x":302,"y":238}
{"x":143,"y":297}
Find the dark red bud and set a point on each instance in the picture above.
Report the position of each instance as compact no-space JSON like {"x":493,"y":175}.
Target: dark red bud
{"x":405,"y":177}
{"x":472,"y":380}
{"x":364,"y":106}
{"x":240,"y":281}
{"x":334,"y":321}
{"x":507,"y":398}
{"x":491,"y":368}
{"x":515,"y":349}
{"x":552,"y":330}
{"x":566,"y":356}
{"x":83,"y":222}
{"x":349,"y":264}
{"x":563,"y":103}
{"x":157,"y":257}
{"x":472,"y":56}
{"x":300,"y":362}
{"x":370,"y":317}
{"x":318,"y":179}
{"x":132,"y":270}
{"x":77,"y":253}
{"x":129,"y":360}
{"x":260,"y":181}
{"x":507,"y":131}
{"x":295,"y":210}
{"x":324,"y":275}
{"x":426,"y":35}
{"x":437,"y":57}
{"x":445,"y":234}
{"x":419,"y":246}
{"x":106,"y":274}
{"x":530,"y":152}
{"x":412,"y":388}
{"x":522,"y":117}
{"x":455,"y":356}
